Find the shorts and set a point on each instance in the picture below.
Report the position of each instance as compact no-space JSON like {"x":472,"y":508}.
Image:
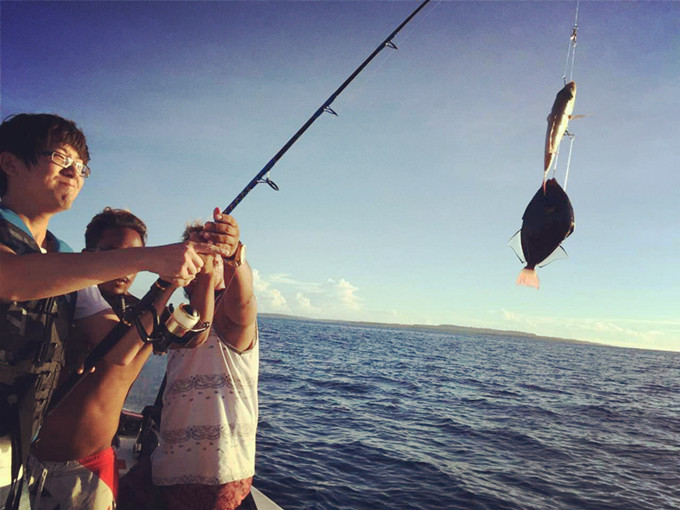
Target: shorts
{"x":90,"y":483}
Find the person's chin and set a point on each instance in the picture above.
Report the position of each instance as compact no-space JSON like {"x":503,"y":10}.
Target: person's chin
{"x":64,"y":202}
{"x":113,"y":289}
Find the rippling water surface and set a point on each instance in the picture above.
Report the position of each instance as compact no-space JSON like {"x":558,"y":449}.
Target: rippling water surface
{"x":363,"y":417}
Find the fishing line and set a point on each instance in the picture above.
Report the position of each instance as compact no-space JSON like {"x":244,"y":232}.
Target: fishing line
{"x":554,"y":168}
{"x":571,"y":50}
{"x":566,"y":175}
{"x":380,"y":62}
{"x":408,"y":33}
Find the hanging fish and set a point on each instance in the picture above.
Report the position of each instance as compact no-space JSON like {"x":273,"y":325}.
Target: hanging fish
{"x":547,"y":221}
{"x":557,"y":124}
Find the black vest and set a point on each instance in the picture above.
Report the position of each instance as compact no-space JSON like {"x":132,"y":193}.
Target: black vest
{"x":32,"y":335}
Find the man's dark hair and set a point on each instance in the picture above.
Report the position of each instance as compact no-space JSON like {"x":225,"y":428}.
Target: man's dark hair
{"x":27,"y":134}
{"x":112,"y":218}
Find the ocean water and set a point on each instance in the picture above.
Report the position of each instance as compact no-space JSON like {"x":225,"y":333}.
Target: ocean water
{"x":355,"y":417}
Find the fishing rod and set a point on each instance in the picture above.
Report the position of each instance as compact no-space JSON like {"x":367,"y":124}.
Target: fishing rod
{"x":262,"y":177}
{"x":145,"y":304}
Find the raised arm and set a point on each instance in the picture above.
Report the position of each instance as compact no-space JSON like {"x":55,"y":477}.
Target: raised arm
{"x":235,"y":318}
{"x":236,"y":313}
{"x":37,"y":276}
{"x":202,"y":291}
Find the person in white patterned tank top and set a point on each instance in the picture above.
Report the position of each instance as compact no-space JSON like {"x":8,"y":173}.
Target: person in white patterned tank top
{"x":206,"y":456}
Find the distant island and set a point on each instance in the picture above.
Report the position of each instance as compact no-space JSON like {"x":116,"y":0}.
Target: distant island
{"x":442,"y":328}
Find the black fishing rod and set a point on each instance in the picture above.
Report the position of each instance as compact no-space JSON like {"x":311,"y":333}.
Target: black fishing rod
{"x":324,"y":108}
{"x":110,"y":340}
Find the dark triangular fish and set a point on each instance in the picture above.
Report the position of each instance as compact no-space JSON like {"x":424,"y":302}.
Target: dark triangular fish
{"x":547,"y":221}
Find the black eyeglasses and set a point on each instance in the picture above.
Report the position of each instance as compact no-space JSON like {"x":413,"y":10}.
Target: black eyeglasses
{"x":65,"y":161}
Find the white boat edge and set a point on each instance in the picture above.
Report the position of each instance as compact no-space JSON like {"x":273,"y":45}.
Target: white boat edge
{"x":263,"y":502}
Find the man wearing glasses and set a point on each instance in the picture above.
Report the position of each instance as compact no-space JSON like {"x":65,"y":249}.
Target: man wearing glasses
{"x":47,"y":293}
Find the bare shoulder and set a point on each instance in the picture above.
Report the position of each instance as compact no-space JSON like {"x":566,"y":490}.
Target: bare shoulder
{"x":95,"y":327}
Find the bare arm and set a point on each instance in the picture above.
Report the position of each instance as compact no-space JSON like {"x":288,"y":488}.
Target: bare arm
{"x":94,"y":328}
{"x":235,"y":318}
{"x":37,"y":276}
{"x":203,"y":298}
{"x":236,"y":313}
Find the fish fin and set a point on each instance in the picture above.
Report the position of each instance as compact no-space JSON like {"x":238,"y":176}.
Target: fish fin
{"x":528,"y":277}
{"x":574,"y":117}
{"x":558,"y":254}
{"x":515,"y":243}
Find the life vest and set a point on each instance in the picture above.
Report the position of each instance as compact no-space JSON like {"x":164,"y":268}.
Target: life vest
{"x":32,"y":335}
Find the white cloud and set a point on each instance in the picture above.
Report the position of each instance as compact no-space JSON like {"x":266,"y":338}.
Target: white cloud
{"x":344,"y":292}
{"x":333,"y":299}
{"x":650,"y":334}
{"x":305,"y":305}
{"x":269,"y":299}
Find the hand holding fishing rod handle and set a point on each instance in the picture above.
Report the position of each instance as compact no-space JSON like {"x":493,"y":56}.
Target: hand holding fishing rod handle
{"x":107,"y":344}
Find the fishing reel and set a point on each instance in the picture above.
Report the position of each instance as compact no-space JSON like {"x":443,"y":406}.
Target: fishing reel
{"x":176,"y":326}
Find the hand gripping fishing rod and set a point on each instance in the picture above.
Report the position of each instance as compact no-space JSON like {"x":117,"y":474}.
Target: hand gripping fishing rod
{"x":110,"y":340}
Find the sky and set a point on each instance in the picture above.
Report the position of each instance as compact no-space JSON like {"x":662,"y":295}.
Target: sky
{"x":400,"y":208}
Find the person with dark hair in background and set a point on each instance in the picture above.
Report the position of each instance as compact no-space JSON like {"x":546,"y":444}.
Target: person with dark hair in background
{"x":74,"y":448}
{"x":114,"y":229}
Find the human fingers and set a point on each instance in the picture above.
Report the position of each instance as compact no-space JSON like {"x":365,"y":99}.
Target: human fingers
{"x":176,"y":280}
{"x":210,"y":249}
{"x":224,"y":219}
{"x":227,"y":240}
{"x":194,"y":261}
{"x":224,"y":230}
{"x":227,"y":227}
{"x":182,"y":282}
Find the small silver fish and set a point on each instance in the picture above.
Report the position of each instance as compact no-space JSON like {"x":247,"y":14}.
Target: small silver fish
{"x":558,"y":120}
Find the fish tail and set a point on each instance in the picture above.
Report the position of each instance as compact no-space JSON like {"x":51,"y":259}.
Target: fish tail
{"x":528,"y":277}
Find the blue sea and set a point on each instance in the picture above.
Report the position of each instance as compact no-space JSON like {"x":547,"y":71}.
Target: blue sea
{"x":363,"y":417}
